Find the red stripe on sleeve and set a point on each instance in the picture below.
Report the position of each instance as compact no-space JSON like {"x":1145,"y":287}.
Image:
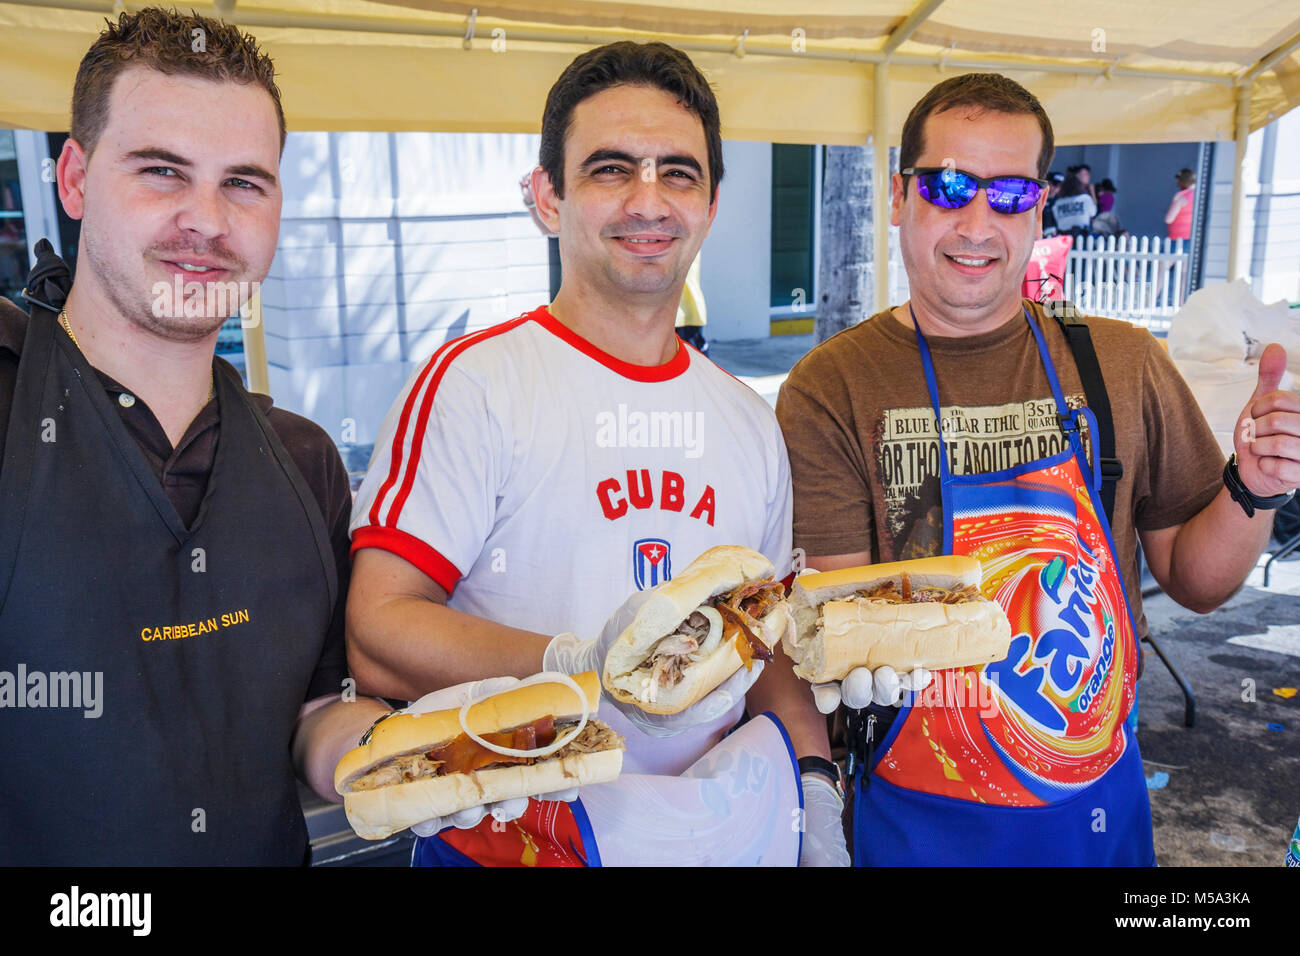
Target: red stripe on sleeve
{"x":395,"y":464}
{"x":422,"y":421}
{"x":411,"y":549}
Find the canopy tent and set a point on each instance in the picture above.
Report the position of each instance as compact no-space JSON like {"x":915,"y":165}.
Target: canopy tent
{"x":1107,"y":71}
{"x":845,"y":73}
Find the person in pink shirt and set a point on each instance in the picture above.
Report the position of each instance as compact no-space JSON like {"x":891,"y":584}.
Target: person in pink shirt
{"x":1179,"y":216}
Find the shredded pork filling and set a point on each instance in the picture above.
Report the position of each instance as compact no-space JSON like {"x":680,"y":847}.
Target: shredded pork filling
{"x":673,"y":653}
{"x":667,"y":663}
{"x":758,"y":598}
{"x":904,"y":593}
{"x":405,"y":768}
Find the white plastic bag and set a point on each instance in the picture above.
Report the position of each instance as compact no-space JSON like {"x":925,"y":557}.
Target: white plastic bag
{"x":1226,"y":321}
{"x":1216,"y":339}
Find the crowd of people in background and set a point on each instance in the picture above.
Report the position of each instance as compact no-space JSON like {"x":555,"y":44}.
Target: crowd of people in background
{"x":1076,"y":206}
{"x":1075,"y":203}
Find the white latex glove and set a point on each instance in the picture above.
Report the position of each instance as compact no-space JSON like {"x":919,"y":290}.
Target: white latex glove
{"x":823,"y":834}
{"x":569,"y":654}
{"x":501,"y":810}
{"x":862,"y":686}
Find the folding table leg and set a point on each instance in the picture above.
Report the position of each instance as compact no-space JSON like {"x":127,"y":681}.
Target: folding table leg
{"x":1281,"y":552}
{"x":1189,"y":699}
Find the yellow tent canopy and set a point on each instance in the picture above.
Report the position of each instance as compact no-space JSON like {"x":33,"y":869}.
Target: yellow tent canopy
{"x":1107,"y":71}
{"x":843,"y":72}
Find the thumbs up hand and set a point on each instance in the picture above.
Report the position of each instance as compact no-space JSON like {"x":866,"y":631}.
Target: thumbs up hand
{"x":1267,"y":438}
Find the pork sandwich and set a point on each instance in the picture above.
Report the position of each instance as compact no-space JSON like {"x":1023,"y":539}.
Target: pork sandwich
{"x":722,"y":613}
{"x":533,"y":739}
{"x":924,"y":613}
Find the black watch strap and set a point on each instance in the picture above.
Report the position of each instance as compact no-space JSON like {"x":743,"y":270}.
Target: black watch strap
{"x":1249,"y":501}
{"x":822,"y":766}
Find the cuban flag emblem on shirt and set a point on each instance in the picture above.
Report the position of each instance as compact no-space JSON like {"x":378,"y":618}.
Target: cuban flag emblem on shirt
{"x":651,"y":562}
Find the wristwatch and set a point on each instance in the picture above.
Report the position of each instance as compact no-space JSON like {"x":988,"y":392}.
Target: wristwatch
{"x":1249,"y":501}
{"x":824,"y":767}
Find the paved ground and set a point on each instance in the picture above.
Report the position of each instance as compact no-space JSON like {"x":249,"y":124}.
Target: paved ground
{"x":1227,"y":791}
{"x":761,"y":363}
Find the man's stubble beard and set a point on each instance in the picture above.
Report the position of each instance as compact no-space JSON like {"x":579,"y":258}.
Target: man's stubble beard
{"x":118,"y":288}
{"x":625,"y":282}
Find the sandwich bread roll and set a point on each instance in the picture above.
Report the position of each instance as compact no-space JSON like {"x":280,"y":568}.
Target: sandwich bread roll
{"x":413,"y":767}
{"x":697,"y":630}
{"x":906,"y":614}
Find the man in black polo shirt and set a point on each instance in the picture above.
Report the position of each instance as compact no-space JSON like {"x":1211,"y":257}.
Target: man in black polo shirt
{"x":173,"y":550}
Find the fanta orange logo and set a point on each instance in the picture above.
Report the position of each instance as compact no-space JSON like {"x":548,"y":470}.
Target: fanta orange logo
{"x":1065,"y":648}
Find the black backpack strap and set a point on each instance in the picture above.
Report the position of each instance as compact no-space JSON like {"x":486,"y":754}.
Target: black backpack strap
{"x":49,"y":281}
{"x":1094,"y":390}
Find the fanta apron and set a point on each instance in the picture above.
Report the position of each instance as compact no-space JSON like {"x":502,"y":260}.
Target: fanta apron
{"x":1026,"y":761}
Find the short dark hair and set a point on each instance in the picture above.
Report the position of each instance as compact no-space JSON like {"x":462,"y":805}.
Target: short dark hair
{"x":1186,"y":178}
{"x":985,"y":91}
{"x":656,"y":65}
{"x":164,"y":40}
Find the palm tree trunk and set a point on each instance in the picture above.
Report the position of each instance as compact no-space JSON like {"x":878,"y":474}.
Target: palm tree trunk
{"x":845,"y":280}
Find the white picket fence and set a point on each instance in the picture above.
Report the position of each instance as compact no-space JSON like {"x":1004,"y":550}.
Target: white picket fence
{"x":1142,"y":279}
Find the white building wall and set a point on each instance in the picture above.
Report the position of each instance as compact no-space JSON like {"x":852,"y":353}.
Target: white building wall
{"x":1276,"y":252}
{"x":365,"y":285}
{"x":1269,"y":240}
{"x":736,"y":269}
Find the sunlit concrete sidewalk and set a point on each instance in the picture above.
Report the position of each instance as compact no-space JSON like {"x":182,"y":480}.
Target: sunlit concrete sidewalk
{"x":762,"y":364}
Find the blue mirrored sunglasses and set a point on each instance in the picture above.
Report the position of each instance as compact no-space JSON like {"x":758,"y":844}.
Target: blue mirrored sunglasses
{"x":953,"y":188}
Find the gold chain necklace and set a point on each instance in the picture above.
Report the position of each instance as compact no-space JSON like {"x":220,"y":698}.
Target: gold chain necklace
{"x":67,"y":327}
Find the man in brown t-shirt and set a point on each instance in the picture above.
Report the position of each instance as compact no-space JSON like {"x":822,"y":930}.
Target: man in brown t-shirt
{"x":857,"y":414}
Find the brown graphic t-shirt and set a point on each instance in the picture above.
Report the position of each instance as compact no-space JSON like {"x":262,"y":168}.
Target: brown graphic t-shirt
{"x":864,"y":454}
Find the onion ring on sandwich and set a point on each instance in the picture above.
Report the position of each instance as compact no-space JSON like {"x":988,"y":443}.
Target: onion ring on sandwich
{"x":537,"y":737}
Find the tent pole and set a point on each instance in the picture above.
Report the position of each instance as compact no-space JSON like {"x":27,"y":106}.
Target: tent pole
{"x":1266,"y":63}
{"x":880,"y":178}
{"x":1238,"y":182}
{"x":904,"y":30}
{"x":880,"y":188}
{"x":255,"y":348}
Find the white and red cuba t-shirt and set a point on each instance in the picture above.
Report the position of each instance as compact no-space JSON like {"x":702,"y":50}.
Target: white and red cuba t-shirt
{"x":541,"y":481}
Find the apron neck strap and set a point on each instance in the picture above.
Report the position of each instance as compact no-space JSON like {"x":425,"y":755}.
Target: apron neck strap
{"x":1068,"y":419}
{"x":931,"y":383}
{"x":1048,"y":367}
{"x":927,"y":363}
